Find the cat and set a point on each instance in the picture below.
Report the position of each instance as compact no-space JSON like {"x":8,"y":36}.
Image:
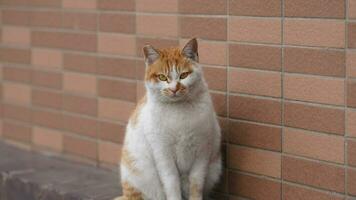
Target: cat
{"x":171,"y":149}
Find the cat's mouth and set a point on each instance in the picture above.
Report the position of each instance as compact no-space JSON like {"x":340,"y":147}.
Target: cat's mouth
{"x":170,"y":96}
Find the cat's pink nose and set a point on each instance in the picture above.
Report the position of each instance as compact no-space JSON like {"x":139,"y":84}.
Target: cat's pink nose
{"x":174,"y":90}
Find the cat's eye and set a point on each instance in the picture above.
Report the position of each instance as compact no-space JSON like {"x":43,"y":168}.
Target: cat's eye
{"x":162,"y":77}
{"x":184,"y":75}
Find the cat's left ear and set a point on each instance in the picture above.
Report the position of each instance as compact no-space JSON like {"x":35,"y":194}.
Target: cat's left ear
{"x":151,"y":54}
{"x":190,"y":50}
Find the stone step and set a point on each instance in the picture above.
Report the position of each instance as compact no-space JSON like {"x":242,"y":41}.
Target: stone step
{"x":27,"y":175}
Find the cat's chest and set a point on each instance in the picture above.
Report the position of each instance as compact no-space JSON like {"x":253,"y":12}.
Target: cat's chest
{"x":184,"y":132}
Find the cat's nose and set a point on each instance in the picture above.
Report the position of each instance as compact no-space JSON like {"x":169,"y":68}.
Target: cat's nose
{"x":174,"y":90}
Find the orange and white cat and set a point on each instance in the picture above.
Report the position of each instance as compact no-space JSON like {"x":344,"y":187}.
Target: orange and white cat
{"x":172,"y":144}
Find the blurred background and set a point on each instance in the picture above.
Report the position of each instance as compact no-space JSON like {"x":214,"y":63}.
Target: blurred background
{"x":282,"y":75}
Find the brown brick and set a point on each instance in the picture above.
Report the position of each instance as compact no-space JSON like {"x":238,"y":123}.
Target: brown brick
{"x":351,"y":152}
{"x":269,"y":8}
{"x":314,"y":32}
{"x":113,"y":132}
{"x":116,"y":67}
{"x":351,"y":122}
{"x":15,"y":35}
{"x":211,"y":7}
{"x":141,"y":69}
{"x":314,"y":118}
{"x":16,"y":74}
{"x":260,"y":110}
{"x":17,"y":131}
{"x":15,"y":2}
{"x":16,"y":93}
{"x":219,"y":102}
{"x":351,"y":182}
{"x":351,"y":93}
{"x":125,"y":5}
{"x":48,"y":59}
{"x":215,"y":77}
{"x":48,"y":138}
{"x":15,"y":55}
{"x":80,"y":146}
{"x":119,"y":23}
{"x":81,"y":125}
{"x":352,"y":35}
{"x":79,"y":83}
{"x":79,"y":4}
{"x":255,"y":56}
{"x":315,"y":8}
{"x":117,"y":89}
{"x":47,"y":79}
{"x":46,"y":98}
{"x":255,"y":135}
{"x":201,"y":27}
{"x":351,"y":64}
{"x":263,"y":189}
{"x":78,"y":104}
{"x":45,"y":3}
{"x":108,"y":43}
{"x":352,"y":9}
{"x":314,"y":61}
{"x":79,"y":21}
{"x":79,"y":63}
{"x":255,"y":161}
{"x":157,"y":25}
{"x":212,"y":53}
{"x":51,"y":19}
{"x":292,"y":192}
{"x":16,"y":17}
{"x":313,"y":174}
{"x":140,"y":91}
{"x":314,"y":145}
{"x":50,"y":119}
{"x":157,"y":6}
{"x":156,"y":42}
{"x":255,"y":82}
{"x":71,"y":41}
{"x":18,"y":113}
{"x":115,"y":109}
{"x":314,"y":89}
{"x":266,"y":30}
{"x":109,"y":152}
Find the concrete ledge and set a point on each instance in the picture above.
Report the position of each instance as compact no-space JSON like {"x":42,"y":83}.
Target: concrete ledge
{"x":29,"y":176}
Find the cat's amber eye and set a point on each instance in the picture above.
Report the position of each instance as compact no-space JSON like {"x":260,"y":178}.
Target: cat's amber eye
{"x":162,"y":77}
{"x":184,"y":75}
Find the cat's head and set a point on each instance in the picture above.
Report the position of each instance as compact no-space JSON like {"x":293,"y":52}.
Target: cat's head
{"x":173,"y":74}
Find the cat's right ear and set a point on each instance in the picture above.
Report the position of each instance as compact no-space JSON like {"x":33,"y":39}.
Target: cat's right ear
{"x":151,"y":54}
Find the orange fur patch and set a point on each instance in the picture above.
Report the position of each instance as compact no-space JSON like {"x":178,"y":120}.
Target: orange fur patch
{"x":194,"y":191}
{"x":130,"y":193}
{"x":169,"y":58}
{"x":128,"y":161}
{"x":136,"y":112}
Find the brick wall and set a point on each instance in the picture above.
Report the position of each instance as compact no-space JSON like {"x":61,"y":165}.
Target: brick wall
{"x":282,"y":75}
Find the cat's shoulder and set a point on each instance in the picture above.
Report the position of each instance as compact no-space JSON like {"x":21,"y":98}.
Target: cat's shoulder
{"x":135,"y":114}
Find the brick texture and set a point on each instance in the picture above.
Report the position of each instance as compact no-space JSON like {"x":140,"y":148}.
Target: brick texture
{"x":281,"y":74}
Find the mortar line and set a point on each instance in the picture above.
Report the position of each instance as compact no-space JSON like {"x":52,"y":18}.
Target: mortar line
{"x":345,"y":98}
{"x":282,"y":91}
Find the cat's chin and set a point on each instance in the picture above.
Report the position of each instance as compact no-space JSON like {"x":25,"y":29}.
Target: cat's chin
{"x":175,"y":98}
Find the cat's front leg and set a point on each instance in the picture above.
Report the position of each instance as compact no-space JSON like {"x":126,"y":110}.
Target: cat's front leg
{"x":197,"y":177}
{"x":168,"y":172}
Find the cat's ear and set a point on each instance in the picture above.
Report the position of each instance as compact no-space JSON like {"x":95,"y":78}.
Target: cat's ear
{"x":151,"y":54}
{"x":190,"y":50}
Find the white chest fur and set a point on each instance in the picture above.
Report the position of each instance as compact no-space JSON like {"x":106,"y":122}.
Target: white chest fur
{"x":181,"y":129}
